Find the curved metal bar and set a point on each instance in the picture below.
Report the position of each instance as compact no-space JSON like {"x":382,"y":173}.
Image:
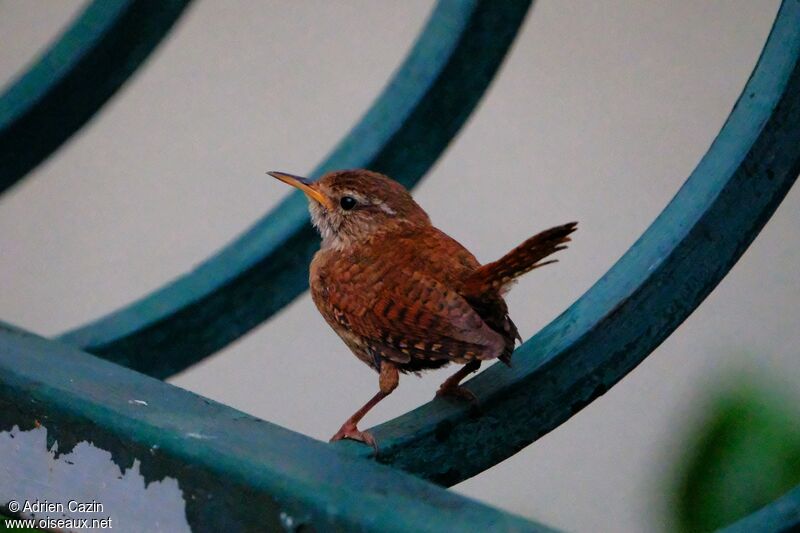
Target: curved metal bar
{"x":75,"y":77}
{"x":403,"y":133}
{"x":646,"y":295}
{"x":169,"y":460}
{"x":781,"y":515}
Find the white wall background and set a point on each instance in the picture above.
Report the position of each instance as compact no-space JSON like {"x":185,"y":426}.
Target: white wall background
{"x":600,"y":112}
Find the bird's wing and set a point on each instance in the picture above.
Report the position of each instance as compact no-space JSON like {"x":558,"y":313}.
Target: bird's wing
{"x":409,"y":315}
{"x":402,"y":304}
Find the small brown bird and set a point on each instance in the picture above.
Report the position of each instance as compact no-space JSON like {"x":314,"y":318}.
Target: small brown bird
{"x":403,"y":295}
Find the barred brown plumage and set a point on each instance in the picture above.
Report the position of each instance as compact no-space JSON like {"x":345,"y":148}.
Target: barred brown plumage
{"x":403,"y":295}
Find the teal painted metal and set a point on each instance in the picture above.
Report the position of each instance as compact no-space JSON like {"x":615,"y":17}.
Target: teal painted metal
{"x":75,"y":77}
{"x":228,"y":463}
{"x":665,"y":275}
{"x":403,"y":133}
{"x":234,"y":472}
{"x":782,"y":515}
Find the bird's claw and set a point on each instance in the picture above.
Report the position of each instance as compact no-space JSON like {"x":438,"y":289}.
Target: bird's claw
{"x":350,"y":431}
{"x":458,"y":392}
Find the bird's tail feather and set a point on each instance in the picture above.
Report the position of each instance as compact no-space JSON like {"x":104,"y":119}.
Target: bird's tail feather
{"x":499,"y":274}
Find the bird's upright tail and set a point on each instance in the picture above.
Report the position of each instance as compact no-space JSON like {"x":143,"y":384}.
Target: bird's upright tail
{"x":499,"y":274}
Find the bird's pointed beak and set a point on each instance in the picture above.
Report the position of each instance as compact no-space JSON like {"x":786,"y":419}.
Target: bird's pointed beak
{"x":304,"y":184}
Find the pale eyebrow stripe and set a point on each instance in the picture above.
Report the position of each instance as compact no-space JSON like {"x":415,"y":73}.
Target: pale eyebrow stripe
{"x":386,"y":209}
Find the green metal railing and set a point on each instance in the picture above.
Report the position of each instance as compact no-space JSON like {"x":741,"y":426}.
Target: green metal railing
{"x":75,"y":77}
{"x":236,"y":472}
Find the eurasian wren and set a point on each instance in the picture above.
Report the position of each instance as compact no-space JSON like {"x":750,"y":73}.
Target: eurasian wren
{"x":403,"y":295}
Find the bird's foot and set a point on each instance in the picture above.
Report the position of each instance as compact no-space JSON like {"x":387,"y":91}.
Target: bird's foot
{"x":350,"y":431}
{"x":458,"y":392}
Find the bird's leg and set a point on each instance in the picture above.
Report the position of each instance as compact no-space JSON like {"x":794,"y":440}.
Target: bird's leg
{"x":451,"y":386}
{"x":389,"y":378}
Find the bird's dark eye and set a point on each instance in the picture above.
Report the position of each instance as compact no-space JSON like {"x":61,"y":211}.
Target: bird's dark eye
{"x":347,"y":203}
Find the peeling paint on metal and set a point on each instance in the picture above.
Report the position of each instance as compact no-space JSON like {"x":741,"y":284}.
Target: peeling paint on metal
{"x":86,"y":474}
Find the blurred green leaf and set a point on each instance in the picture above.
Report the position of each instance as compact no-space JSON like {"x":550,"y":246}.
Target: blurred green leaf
{"x":745,"y":455}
